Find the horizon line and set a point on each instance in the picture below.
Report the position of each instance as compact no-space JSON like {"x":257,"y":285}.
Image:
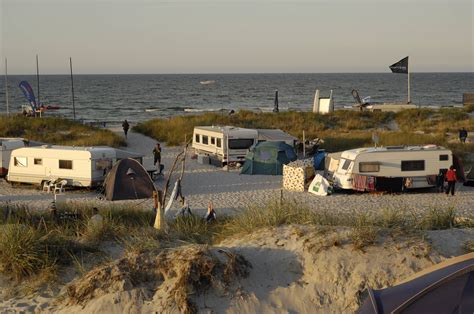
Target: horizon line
{"x":234,"y":73}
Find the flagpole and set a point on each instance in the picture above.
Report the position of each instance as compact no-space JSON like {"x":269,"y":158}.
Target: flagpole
{"x":408,"y":70}
{"x":6,"y":86}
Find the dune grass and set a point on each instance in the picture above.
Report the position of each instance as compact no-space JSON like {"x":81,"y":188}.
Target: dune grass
{"x":33,"y":241}
{"x":340,"y":130}
{"x":173,"y":130}
{"x":57,"y":131}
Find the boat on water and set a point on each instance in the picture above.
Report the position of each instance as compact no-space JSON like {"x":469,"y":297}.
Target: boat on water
{"x":209,"y":82}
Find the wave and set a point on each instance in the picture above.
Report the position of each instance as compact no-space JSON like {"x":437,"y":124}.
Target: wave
{"x":202,"y":109}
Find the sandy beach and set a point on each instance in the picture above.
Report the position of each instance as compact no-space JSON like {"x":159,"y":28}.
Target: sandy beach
{"x":290,"y":268}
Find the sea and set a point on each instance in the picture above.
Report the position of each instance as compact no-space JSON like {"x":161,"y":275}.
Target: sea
{"x":113,"y":98}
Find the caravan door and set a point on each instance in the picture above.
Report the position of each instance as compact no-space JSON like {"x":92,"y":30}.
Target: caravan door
{"x":343,"y":175}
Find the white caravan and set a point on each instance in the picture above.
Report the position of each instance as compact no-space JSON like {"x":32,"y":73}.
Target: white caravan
{"x":414,"y":162}
{"x":223,"y":144}
{"x":80,"y":166}
{"x":7,"y":145}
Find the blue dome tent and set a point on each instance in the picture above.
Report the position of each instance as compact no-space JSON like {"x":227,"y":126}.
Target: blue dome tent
{"x":268,"y":158}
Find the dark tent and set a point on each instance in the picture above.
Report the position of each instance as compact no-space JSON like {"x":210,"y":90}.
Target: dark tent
{"x":268,"y":158}
{"x":128,"y":180}
{"x":447,"y":287}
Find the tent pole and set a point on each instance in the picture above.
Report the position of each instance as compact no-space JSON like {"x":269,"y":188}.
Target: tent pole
{"x":6,"y":86}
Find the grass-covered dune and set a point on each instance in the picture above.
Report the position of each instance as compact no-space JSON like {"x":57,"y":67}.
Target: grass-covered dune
{"x":343,"y":129}
{"x":57,"y":131}
{"x":34,"y":242}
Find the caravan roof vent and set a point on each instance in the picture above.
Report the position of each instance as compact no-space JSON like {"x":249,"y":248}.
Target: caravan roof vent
{"x":46,"y":146}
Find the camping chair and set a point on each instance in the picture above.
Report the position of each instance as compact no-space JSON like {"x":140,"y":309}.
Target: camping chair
{"x":59,"y":187}
{"x":48,"y":185}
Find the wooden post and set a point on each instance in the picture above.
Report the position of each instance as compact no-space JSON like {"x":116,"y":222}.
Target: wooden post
{"x":72,"y":89}
{"x":159,"y":218}
{"x":6,"y":86}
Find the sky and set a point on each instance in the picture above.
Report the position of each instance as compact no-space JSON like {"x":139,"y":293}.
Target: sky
{"x":224,"y":36}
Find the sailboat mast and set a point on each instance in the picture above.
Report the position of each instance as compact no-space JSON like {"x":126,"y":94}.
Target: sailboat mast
{"x":72,"y":90}
{"x":38,"y":81}
{"x":408,"y":73}
{"x":6,"y":86}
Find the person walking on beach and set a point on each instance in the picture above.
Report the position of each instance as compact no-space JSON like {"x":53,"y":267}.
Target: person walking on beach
{"x":462,"y":135}
{"x":125,"y":126}
{"x":157,"y":157}
{"x":451,"y":178}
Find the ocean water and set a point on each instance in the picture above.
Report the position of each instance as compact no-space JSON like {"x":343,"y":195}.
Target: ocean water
{"x":114,"y":98}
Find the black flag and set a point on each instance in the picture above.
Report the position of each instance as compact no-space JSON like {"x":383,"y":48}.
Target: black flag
{"x":400,"y":67}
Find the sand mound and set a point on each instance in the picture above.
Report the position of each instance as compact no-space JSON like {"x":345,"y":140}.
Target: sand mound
{"x":302,"y":269}
{"x":167,"y":281}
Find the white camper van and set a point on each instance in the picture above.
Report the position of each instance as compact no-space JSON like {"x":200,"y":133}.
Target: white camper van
{"x":80,"y":166}
{"x":413,"y":162}
{"x":223,"y":144}
{"x":7,"y":145}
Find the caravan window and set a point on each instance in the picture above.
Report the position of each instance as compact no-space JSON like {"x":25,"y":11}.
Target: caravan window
{"x":21,"y":161}
{"x":205,"y":139}
{"x":243,"y":143}
{"x":65,"y":164}
{"x":219,"y":142}
{"x":38,"y":161}
{"x":197,"y":138}
{"x":413,"y":165}
{"x":369,"y":167}
{"x":443,"y":157}
{"x":213,"y":141}
{"x":346,"y":164}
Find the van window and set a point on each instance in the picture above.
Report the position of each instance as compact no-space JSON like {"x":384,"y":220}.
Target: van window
{"x":65,"y":164}
{"x":443,"y":157}
{"x":38,"y":161}
{"x":21,"y":161}
{"x":413,"y":165}
{"x":369,"y":167}
{"x":197,"y":138}
{"x":219,"y":142}
{"x":241,"y":143}
{"x":205,"y":139}
{"x":346,"y":164}
{"x":213,"y":141}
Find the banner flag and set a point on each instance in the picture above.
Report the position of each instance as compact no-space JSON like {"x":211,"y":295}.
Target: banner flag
{"x":400,"y":66}
{"x":28,"y":92}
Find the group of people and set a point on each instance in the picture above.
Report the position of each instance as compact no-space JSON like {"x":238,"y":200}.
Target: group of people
{"x":448,"y":176}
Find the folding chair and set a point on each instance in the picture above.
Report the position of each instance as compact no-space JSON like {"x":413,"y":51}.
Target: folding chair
{"x":48,"y":185}
{"x":59,"y":187}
